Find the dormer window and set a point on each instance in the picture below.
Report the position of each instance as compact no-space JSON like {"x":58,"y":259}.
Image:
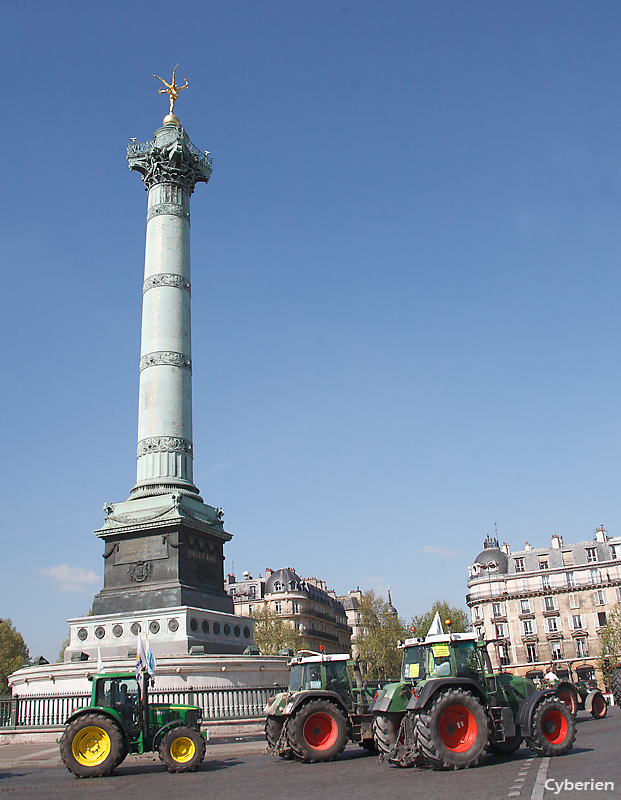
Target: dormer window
{"x":543,"y":562}
{"x":278,"y":587}
{"x":591,"y":553}
{"x":519,"y":565}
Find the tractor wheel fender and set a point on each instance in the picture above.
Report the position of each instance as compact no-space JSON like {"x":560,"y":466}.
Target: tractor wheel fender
{"x":524,"y":716}
{"x":104,"y":711}
{"x":164,"y":730}
{"x":434,"y":686}
{"x":301,"y":698}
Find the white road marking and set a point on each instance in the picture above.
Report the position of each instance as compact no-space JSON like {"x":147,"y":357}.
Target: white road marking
{"x":537,"y":793}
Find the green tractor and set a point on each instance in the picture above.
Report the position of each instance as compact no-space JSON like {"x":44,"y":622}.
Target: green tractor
{"x":581,"y":695}
{"x":324,"y":707}
{"x":121,"y":720}
{"x":450,"y":708}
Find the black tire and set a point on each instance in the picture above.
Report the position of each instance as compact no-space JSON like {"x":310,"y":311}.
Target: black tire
{"x":273,"y":730}
{"x":92,"y":746}
{"x":569,"y":696}
{"x":385,"y":729}
{"x":182,"y":749}
{"x":318,"y":731}
{"x":453,"y":732}
{"x":368,"y":745}
{"x":506,"y":748}
{"x":553,"y":728}
{"x":599,"y":706}
{"x":615,"y":684}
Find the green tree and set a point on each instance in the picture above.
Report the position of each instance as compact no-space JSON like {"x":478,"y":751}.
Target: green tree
{"x":13,"y":652}
{"x":610,"y":644}
{"x":380,"y":631}
{"x":460,"y":623}
{"x":63,"y":646}
{"x":272,"y":633}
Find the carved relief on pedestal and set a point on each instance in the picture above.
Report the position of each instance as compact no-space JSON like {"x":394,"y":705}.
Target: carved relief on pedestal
{"x":139,"y":571}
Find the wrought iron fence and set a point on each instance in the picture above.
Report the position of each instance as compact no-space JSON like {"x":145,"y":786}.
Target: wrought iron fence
{"x":225,"y":703}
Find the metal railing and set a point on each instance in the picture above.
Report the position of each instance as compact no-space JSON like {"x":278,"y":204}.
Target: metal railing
{"x":225,"y":703}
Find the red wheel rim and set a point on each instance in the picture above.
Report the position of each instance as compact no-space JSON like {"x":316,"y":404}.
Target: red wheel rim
{"x":554,"y":726}
{"x":569,"y":700}
{"x":599,"y":705}
{"x":320,"y":731}
{"x":458,"y":728}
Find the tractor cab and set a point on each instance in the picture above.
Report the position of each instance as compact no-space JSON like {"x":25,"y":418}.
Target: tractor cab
{"x":328,"y":672}
{"x":442,"y":656}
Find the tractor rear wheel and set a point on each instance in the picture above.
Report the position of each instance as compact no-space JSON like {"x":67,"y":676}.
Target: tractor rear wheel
{"x":385,"y":729}
{"x":182,"y":749}
{"x":318,"y":731}
{"x":453,"y":732}
{"x":553,"y":728}
{"x":615,"y":684}
{"x":599,"y":706}
{"x":92,"y":746}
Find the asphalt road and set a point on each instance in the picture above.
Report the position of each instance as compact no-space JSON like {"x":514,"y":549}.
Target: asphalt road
{"x":240,"y":769}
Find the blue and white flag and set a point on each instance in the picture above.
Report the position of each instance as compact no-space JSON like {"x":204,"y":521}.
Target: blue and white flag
{"x":151,"y":660}
{"x":141,"y":660}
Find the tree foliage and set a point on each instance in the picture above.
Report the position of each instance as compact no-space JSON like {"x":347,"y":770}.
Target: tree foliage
{"x":610,"y":643}
{"x":460,"y":623}
{"x":13,"y":652}
{"x":63,"y":646}
{"x":273,"y":633}
{"x":380,"y":631}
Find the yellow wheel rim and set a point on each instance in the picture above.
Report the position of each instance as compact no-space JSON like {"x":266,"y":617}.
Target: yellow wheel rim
{"x":91,"y":746}
{"x":182,"y":750}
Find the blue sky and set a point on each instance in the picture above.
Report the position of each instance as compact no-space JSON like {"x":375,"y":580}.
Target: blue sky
{"x":404,"y":271}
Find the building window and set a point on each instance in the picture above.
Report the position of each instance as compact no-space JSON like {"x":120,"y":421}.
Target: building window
{"x":278,"y":607}
{"x":570,"y":579}
{"x":574,"y":601}
{"x":600,"y":597}
{"x":477,"y":612}
{"x":252,"y":592}
{"x":503,"y":654}
{"x":553,"y":625}
{"x":614,"y":551}
{"x":591,"y":555}
{"x":601,"y":619}
{"x":278,"y":587}
{"x":529,"y":627}
{"x":568,"y":558}
{"x":519,"y":565}
{"x":296,"y":625}
{"x":576,"y":622}
{"x":549,"y":604}
{"x":557,"y":651}
{"x":596,"y":576}
{"x":543,"y":562}
{"x":531,"y":652}
{"x":497,"y":610}
{"x":500,"y":631}
{"x":295,"y":607}
{"x":582,"y":651}
{"x":525,"y":607}
{"x":250,"y":610}
{"x":545,"y":582}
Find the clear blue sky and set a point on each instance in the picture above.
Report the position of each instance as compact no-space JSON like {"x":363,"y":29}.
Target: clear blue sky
{"x":405,"y":283}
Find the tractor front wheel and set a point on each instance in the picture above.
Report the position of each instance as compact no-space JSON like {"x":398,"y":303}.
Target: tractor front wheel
{"x":92,"y":746}
{"x":599,"y":706}
{"x":553,"y":728}
{"x":318,"y":731}
{"x":453,"y":732}
{"x":385,"y":729}
{"x":273,"y":733}
{"x":182,"y":749}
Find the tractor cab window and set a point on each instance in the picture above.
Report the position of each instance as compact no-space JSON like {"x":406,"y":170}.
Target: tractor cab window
{"x":467,"y":662}
{"x":304,"y":677}
{"x":412,"y":669}
{"x":434,"y":661}
{"x":122,"y":695}
{"x":337,"y":679}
